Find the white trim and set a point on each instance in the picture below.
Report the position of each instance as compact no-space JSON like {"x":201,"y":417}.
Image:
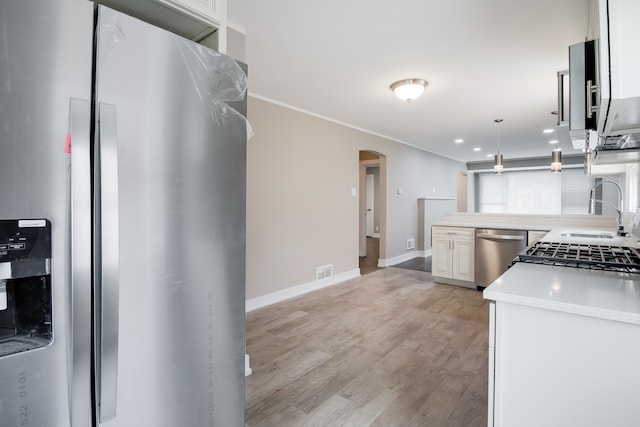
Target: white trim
{"x":329,"y":119}
{"x":294,"y":291}
{"x":247,"y":366}
{"x":404,"y":257}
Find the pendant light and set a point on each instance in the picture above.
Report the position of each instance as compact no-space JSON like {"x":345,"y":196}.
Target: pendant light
{"x":556,"y":161}
{"x":498,"y":166}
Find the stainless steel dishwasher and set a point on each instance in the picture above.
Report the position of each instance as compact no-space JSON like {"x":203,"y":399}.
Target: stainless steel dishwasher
{"x":495,"y":249}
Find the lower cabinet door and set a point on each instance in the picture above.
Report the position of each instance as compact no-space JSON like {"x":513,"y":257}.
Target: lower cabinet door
{"x":441,"y":258}
{"x":463,"y":260}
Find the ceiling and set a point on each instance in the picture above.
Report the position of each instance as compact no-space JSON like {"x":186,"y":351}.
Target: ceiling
{"x":483,"y":60}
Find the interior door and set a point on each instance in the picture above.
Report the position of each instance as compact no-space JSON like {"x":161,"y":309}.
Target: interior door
{"x":180,"y":174}
{"x":369,"y":206}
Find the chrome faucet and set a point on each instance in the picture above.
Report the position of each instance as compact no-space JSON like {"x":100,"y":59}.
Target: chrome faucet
{"x":593,"y":200}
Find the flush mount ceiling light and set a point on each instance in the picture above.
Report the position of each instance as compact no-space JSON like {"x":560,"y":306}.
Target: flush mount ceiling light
{"x":498,"y":166}
{"x":408,"y":89}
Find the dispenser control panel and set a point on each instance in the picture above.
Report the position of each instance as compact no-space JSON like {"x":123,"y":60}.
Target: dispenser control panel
{"x":26,"y":321}
{"x":24,"y":238}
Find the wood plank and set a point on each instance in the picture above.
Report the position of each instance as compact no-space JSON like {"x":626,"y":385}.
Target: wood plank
{"x":387,"y":349}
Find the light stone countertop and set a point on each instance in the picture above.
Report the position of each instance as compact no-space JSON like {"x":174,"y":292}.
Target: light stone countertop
{"x":601,"y":294}
{"x":555,"y":224}
{"x":558,"y":235}
{"x":526,"y":221}
{"x":505,"y":226}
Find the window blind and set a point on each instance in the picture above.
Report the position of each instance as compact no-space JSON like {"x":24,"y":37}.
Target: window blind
{"x":534,"y":191}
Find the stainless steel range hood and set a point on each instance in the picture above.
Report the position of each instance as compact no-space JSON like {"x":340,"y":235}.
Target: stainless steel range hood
{"x":612,"y":150}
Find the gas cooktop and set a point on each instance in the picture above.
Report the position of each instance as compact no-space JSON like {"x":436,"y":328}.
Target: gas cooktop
{"x":597,"y":257}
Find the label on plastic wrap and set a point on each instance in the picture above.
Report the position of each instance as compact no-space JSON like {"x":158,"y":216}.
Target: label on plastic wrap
{"x":67,"y":144}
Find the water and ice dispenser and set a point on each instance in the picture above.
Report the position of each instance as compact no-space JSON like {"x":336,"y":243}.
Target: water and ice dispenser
{"x":25,"y":285}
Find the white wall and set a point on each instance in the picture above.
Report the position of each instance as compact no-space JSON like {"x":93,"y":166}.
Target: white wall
{"x":300,"y":211}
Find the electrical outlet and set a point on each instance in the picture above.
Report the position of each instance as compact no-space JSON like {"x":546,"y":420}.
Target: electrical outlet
{"x":411,"y":244}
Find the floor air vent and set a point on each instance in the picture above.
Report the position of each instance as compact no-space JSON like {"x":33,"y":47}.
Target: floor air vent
{"x":324,"y":271}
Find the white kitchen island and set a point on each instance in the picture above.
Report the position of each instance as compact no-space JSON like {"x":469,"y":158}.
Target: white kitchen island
{"x":564,"y":347}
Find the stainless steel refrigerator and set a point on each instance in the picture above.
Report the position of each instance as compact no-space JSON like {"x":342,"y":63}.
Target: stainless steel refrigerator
{"x":122,"y":223}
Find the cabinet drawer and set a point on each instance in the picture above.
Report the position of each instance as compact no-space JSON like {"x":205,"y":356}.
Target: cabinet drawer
{"x":453,"y":232}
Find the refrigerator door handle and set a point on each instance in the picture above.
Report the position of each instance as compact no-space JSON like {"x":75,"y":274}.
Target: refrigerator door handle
{"x":79,"y":146}
{"x":107,"y":257}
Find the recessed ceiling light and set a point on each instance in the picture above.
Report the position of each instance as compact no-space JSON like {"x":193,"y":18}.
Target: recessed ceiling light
{"x":490,"y":155}
{"x":477,"y":149}
{"x":458,"y":141}
{"x":547,"y":131}
{"x":553,"y":141}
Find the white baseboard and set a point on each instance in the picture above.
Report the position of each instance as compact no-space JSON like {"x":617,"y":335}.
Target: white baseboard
{"x":389,"y":262}
{"x":294,"y":291}
{"x":247,"y":366}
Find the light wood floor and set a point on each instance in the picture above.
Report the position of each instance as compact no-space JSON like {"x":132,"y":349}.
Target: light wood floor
{"x":387,"y":349}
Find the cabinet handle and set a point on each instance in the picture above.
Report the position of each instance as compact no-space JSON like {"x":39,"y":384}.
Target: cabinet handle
{"x":80,"y":264}
{"x":591,"y":89}
{"x":561,"y":118}
{"x":107,"y":280}
{"x":499,"y":236}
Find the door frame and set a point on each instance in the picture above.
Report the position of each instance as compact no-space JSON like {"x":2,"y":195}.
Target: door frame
{"x":381,"y":215}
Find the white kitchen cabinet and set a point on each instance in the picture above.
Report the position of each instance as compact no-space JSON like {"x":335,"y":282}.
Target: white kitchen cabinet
{"x":210,"y":12}
{"x":441,"y":257}
{"x":213,"y":12}
{"x":560,"y":369}
{"x":491,"y":371}
{"x":535,"y":235}
{"x":204,"y":21}
{"x":453,"y":255}
{"x":618,"y":67}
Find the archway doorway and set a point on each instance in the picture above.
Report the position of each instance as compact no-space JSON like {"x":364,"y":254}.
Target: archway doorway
{"x":372,"y":212}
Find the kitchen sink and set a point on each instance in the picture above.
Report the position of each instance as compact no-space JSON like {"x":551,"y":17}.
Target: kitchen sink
{"x":600,"y":235}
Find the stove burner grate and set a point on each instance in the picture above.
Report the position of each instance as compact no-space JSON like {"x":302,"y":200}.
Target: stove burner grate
{"x":598,"y":257}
